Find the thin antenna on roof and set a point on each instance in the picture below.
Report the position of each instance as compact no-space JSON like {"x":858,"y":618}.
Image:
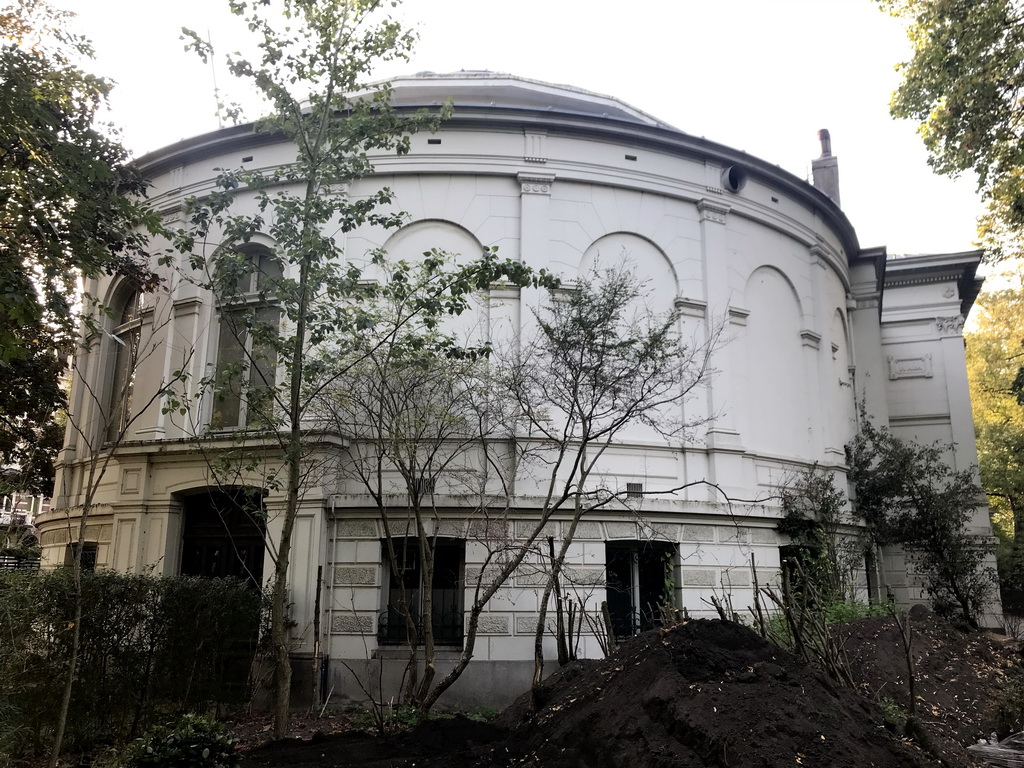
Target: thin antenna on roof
{"x":213,"y":74}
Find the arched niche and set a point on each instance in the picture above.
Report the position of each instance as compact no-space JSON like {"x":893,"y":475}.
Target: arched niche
{"x":840,"y":405}
{"x":640,"y":255}
{"x":776,"y":397}
{"x":413,"y":240}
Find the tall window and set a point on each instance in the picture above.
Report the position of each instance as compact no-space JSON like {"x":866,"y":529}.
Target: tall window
{"x":125,"y":336}
{"x":246,"y":355}
{"x":408,"y":586}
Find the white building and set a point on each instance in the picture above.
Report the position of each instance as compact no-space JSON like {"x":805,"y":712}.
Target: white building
{"x":555,"y":176}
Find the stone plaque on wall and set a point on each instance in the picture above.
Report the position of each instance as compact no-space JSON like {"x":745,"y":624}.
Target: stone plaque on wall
{"x":918,"y":367}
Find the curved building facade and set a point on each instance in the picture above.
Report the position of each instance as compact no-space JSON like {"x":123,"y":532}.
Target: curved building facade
{"x":558,"y":178}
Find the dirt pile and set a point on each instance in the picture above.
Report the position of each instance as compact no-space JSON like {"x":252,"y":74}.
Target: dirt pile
{"x":957,"y":674}
{"x":450,"y":743}
{"x":705,"y":693}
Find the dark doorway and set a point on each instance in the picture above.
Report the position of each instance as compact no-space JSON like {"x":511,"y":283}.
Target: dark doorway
{"x":639,"y":583}
{"x":798,"y":565}
{"x":223,"y":535}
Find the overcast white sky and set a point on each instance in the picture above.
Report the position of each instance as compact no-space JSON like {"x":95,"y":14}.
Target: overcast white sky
{"x":758,"y":75}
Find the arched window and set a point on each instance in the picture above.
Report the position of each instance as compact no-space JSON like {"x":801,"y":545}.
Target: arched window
{"x":125,"y":336}
{"x":246,"y":350}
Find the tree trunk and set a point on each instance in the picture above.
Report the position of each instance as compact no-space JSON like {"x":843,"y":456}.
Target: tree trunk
{"x":556,"y":567}
{"x":563,"y":647}
{"x":293,"y":460}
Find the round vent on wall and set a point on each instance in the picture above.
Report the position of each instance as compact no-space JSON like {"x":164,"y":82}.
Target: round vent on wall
{"x":734,"y":178}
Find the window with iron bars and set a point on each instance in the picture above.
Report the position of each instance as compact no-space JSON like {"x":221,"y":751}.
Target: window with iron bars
{"x":408,"y":587}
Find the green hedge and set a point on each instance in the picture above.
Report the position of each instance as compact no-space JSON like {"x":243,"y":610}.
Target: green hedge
{"x":151,"y":648}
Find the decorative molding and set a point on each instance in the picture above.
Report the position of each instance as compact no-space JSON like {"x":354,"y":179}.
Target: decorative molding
{"x":905,"y":281}
{"x":187,"y":306}
{"x":949,"y":293}
{"x":950,"y":326}
{"x":691,"y":307}
{"x":504,"y":290}
{"x":565,"y":291}
{"x":810,"y":339}
{"x":534,"y":150}
{"x":131,"y":481}
{"x":712,"y":210}
{"x":536,"y":183}
{"x":171,"y":211}
{"x":738,"y":315}
{"x":919,"y":367}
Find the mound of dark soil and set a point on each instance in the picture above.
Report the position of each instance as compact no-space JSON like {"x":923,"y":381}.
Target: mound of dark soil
{"x":450,"y":743}
{"x":705,"y":693}
{"x":957,"y":674}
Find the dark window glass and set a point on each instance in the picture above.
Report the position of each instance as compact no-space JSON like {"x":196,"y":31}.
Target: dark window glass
{"x":246,"y":356}
{"x":407,"y":588}
{"x":125,"y":338}
{"x":223,"y":535}
{"x":640,"y":581}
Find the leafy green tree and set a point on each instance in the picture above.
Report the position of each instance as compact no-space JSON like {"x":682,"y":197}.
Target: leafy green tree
{"x":908,"y":495}
{"x":817,"y":522}
{"x":30,"y":432}
{"x":313,"y":56}
{"x":963,"y":85}
{"x":994,"y":356}
{"x":70,"y":202}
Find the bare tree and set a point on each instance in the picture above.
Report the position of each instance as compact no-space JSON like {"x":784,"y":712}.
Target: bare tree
{"x":415,"y":407}
{"x":431,"y":417}
{"x":600,"y":362}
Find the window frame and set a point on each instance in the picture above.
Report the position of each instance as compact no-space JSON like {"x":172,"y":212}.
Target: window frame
{"x":640,"y":617}
{"x":253,"y":371}
{"x":90,"y":556}
{"x":391,"y":626}
{"x":125,"y":338}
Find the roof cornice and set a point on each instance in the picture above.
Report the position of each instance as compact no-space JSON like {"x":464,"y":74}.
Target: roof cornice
{"x":927,"y":269}
{"x":507,"y":118}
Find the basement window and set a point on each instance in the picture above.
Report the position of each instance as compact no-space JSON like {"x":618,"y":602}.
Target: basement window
{"x":408,"y":587}
{"x":89,"y":552}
